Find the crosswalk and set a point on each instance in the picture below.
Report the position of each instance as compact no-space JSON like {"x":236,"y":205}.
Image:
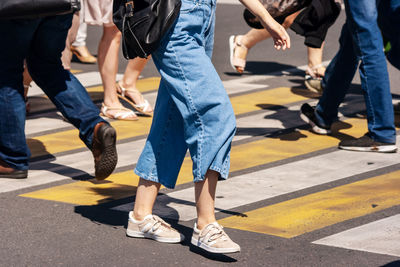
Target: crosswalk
{"x":273,"y":156}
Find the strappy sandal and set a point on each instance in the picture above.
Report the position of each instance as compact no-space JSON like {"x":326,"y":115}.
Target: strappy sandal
{"x":123,"y":114}
{"x":313,"y":78}
{"x":237,"y":63}
{"x":143,"y":109}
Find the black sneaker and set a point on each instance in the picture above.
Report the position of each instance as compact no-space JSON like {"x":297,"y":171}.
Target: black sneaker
{"x":307,"y":114}
{"x":367,"y":144}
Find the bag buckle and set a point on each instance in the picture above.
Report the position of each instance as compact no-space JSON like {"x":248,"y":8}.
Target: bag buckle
{"x":130,"y":5}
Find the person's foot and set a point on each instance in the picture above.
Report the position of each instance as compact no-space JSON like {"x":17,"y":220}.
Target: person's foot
{"x":104,"y":150}
{"x":83,"y":55}
{"x":7,"y":172}
{"x":213,"y":238}
{"x":135,"y":99}
{"x":238,"y":53}
{"x":367,"y":144}
{"x":313,"y":78}
{"x":153,"y":227}
{"x":307,"y":114}
{"x":118,"y":112}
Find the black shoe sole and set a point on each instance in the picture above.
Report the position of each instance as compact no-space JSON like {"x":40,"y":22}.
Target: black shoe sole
{"x":109,"y":157}
{"x":314,"y":127}
{"x":15,"y":175}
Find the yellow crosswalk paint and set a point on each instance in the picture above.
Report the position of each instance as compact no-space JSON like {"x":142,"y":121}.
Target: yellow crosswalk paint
{"x":311,"y":212}
{"x":69,"y":140}
{"x":242,"y":156}
{"x":143,"y":85}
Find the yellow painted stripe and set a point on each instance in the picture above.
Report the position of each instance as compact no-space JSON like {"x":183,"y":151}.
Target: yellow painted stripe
{"x":264,"y":100}
{"x":69,"y":140}
{"x":75,"y":71}
{"x":243,"y":156}
{"x":143,"y":85}
{"x":311,"y":212}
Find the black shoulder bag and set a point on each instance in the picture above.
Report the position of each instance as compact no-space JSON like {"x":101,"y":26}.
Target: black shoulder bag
{"x":24,"y":9}
{"x":143,"y":23}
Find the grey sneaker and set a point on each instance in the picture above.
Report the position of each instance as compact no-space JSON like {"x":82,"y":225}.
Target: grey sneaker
{"x":213,"y":239}
{"x":367,"y":144}
{"x":313,"y":84}
{"x":153,"y":227}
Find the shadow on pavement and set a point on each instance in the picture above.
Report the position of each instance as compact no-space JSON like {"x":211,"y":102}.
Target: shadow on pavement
{"x":261,"y":68}
{"x":44,"y":162}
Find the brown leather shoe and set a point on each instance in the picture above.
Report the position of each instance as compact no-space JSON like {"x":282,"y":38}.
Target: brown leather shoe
{"x":104,"y":150}
{"x":8,"y":172}
{"x":83,"y":55}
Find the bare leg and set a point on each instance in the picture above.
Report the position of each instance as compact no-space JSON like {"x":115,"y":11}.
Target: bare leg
{"x":146,"y":195}
{"x":108,"y":67}
{"x":66,"y":55}
{"x":245,"y":42}
{"x":315,"y":60}
{"x":131,"y":75}
{"x":205,"y":199}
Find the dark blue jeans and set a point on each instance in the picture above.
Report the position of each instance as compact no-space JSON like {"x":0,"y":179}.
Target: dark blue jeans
{"x":361,"y":46}
{"x":40,"y":42}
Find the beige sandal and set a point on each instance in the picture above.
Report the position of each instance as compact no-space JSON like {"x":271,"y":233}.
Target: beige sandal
{"x":123,"y":114}
{"x":144,"y":109}
{"x":237,"y":63}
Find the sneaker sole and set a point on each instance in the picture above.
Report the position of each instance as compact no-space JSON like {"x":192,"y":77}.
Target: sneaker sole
{"x":109,"y":156}
{"x":136,"y":234}
{"x":213,"y":250}
{"x":380,"y":149}
{"x":14,"y":176}
{"x":314,"y":127}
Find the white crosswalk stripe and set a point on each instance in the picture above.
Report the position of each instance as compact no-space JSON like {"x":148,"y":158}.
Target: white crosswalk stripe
{"x":382,"y":236}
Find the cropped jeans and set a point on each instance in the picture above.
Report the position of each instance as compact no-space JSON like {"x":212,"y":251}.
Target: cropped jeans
{"x":360,"y":41}
{"x":192,"y":110}
{"x":40,"y":42}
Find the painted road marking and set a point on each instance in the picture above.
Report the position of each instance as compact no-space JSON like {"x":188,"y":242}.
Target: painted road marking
{"x":268,"y":183}
{"x":69,"y":166}
{"x":381,"y":236}
{"x":242,"y":157}
{"x":87,"y":79}
{"x":69,"y":140}
{"x":66,"y":166}
{"x":315,"y":211}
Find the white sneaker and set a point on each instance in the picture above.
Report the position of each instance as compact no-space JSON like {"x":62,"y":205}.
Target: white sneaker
{"x":153,"y":227}
{"x":213,"y":239}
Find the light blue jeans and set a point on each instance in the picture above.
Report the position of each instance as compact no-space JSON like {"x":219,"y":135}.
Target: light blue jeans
{"x":193,"y":110}
{"x":361,"y":46}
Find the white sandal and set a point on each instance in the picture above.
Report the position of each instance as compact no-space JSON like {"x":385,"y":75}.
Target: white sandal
{"x":123,"y":114}
{"x":238,"y":64}
{"x":144,"y":108}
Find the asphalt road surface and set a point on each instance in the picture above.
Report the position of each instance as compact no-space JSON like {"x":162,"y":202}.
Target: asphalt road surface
{"x":293,"y":198}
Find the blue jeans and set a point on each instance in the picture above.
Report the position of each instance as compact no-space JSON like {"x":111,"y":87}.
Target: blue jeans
{"x":193,"y":110}
{"x":360,"y":41}
{"x":40,"y":42}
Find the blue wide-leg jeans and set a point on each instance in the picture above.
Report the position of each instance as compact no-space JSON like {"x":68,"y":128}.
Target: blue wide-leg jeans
{"x":361,"y":46}
{"x":192,"y":110}
{"x":40,"y":42}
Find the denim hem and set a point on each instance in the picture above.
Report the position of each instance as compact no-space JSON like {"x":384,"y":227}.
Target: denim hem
{"x":152,"y":178}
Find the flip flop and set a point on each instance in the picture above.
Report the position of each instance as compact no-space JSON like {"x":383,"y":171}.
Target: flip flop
{"x":123,"y":114}
{"x":143,"y":109}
